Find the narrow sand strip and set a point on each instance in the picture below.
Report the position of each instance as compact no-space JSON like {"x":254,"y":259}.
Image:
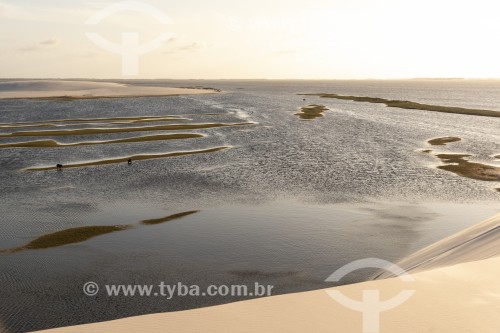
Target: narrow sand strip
{"x":133,"y":158}
{"x":412,"y":105}
{"x":91,"y":120}
{"x":55,"y":144}
{"x":92,"y":131}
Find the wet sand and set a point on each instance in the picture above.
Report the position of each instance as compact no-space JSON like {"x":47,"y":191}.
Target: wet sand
{"x":92,"y":131}
{"x":444,"y":141}
{"x":134,"y":158}
{"x":460,"y":165}
{"x":91,"y":120}
{"x":55,"y":144}
{"x":412,"y":105}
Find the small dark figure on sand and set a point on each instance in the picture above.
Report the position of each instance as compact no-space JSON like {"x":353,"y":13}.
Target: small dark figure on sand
{"x":59,"y":166}
{"x":304,"y":99}
{"x":129,"y":161}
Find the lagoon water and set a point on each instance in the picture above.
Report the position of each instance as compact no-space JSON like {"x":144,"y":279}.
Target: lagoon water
{"x":287,"y":204}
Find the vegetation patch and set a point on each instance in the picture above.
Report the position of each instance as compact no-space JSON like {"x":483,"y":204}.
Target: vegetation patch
{"x":312,"y":111}
{"x":458,"y":164}
{"x":169,"y":218}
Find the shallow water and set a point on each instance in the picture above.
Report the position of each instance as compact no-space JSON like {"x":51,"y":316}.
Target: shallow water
{"x":290,"y":202}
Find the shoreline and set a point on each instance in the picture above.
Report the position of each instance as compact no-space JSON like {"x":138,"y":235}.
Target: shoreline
{"x":409,"y":105}
{"x":459,"y":296}
{"x":455,"y":299}
{"x":64,"y":90}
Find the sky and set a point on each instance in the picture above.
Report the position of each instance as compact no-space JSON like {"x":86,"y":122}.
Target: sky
{"x":258,"y":39}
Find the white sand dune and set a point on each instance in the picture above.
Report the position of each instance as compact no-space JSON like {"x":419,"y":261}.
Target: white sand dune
{"x":85,"y":89}
{"x":456,"y":299}
{"x":481,"y":241}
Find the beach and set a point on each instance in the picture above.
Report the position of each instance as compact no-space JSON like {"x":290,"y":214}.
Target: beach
{"x":458,"y":297}
{"x":85,"y":89}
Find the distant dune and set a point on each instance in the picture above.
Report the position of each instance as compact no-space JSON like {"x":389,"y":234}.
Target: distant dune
{"x":85,"y":89}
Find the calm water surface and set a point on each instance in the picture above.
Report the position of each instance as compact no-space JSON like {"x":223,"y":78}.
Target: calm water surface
{"x":287,"y":205}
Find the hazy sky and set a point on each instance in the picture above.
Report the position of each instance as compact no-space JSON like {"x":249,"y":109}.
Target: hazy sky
{"x":302,"y":39}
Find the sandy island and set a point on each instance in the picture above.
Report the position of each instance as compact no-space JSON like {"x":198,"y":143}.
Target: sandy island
{"x":461,"y":298}
{"x":65,"y":89}
{"x":411,"y":105}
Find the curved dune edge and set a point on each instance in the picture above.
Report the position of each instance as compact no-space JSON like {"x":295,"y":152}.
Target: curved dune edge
{"x":71,"y":90}
{"x":479,"y":242}
{"x":456,"y":299}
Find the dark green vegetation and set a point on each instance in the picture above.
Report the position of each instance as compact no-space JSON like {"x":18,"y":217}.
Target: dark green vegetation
{"x":412,"y":105}
{"x":78,"y":235}
{"x":443,"y":141}
{"x":68,"y":236}
{"x":93,"y":131}
{"x":169,"y":218}
{"x":312,"y":111}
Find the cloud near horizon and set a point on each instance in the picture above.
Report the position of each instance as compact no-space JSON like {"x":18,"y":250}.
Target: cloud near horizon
{"x":46,"y":43}
{"x":306,"y":39}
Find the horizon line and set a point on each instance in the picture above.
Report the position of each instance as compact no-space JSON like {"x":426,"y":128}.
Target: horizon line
{"x":258,"y":79}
